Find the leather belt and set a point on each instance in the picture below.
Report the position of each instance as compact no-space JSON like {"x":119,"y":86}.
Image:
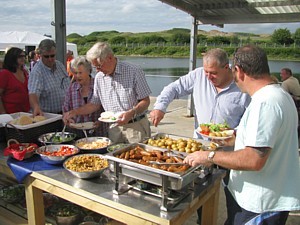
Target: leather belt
{"x":138,"y":118}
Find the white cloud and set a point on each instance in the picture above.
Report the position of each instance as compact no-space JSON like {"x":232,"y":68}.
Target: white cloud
{"x":86,"y":16}
{"x":129,"y":8}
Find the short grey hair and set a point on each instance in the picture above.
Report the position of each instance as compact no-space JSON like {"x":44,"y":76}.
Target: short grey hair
{"x":288,"y":71}
{"x":217,"y":57}
{"x":81,"y":60}
{"x":100,"y":50}
{"x":46,"y":45}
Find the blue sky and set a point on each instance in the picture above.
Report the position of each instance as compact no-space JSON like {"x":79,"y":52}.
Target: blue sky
{"x":86,"y":16}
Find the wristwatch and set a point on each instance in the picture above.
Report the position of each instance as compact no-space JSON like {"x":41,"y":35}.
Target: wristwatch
{"x":211,"y":156}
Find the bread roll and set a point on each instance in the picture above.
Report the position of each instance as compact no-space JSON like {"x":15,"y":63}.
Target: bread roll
{"x":38,"y":118}
{"x":25,"y":120}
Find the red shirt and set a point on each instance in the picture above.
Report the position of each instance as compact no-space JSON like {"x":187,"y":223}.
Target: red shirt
{"x":15,"y":97}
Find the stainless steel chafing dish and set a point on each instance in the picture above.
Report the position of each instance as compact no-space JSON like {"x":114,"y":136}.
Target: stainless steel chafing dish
{"x":166,"y":180}
{"x":202,"y":144}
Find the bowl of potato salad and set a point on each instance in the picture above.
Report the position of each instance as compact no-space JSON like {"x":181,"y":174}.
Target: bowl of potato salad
{"x":86,"y":166}
{"x":93,"y":145}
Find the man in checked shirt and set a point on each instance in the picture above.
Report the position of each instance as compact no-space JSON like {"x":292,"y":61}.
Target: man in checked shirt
{"x":119,"y":87}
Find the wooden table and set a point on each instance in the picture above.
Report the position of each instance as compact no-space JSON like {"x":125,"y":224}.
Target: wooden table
{"x":129,"y":208}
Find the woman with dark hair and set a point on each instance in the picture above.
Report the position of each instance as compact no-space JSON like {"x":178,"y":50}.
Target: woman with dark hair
{"x":14,"y":95}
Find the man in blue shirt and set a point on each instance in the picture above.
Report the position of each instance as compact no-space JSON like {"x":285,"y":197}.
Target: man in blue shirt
{"x":216,"y":97}
{"x":48,"y":81}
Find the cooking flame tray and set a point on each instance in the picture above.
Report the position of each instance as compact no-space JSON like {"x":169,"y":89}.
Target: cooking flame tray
{"x":176,"y":181}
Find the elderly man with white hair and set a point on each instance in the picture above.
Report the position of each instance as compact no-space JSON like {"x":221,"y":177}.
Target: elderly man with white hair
{"x":121,"y":88}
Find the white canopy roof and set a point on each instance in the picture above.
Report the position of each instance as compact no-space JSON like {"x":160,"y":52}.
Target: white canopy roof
{"x":21,"y":39}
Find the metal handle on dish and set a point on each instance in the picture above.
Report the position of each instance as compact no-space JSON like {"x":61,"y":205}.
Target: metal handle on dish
{"x":85,"y":134}
{"x":167,"y":164}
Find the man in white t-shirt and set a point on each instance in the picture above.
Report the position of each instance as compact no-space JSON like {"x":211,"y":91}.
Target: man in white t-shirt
{"x":264,"y":178}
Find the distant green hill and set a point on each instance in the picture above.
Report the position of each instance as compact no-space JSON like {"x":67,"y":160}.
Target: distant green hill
{"x":176,"y":42}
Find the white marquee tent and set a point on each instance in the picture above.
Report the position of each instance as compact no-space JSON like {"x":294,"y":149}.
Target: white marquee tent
{"x":21,"y":39}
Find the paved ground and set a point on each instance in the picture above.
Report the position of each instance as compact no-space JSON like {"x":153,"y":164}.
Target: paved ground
{"x":176,"y":122}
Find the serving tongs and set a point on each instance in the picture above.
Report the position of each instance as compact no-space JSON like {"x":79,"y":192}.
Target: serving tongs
{"x":167,"y":164}
{"x":63,"y":132}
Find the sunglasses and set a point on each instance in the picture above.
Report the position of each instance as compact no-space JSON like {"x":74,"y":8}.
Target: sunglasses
{"x":49,"y":56}
{"x":21,"y":56}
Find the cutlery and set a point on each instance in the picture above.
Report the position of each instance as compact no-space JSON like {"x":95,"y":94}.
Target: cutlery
{"x":85,"y":134}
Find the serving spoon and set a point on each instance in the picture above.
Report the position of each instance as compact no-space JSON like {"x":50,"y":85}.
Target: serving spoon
{"x":85,"y":134}
{"x":63,"y":132}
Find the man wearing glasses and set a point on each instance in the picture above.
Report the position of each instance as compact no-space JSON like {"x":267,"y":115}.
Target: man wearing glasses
{"x":48,"y":81}
{"x":119,"y":87}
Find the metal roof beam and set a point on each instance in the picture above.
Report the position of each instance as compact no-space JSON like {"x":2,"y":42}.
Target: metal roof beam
{"x":182,"y":5}
{"x":259,"y":18}
{"x":275,"y":3}
{"x":198,"y":8}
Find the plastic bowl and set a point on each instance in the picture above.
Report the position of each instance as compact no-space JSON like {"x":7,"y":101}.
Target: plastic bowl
{"x":93,"y":145}
{"x":56,"y":138}
{"x":47,"y":153}
{"x":89,"y":159}
{"x":12,"y":194}
{"x":68,"y":220}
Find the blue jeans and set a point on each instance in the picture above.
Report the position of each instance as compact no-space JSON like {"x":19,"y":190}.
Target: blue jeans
{"x":268,"y":218}
{"x":240,"y":216}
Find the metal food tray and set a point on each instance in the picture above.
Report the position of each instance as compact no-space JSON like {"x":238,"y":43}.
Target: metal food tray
{"x":175,"y":181}
{"x":205,"y":143}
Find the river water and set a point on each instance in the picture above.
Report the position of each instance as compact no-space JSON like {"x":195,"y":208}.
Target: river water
{"x":162,"y":71}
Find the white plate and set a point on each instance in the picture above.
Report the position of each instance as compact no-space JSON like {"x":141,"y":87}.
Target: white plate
{"x":107,"y":120}
{"x":83,"y":126}
{"x":229,"y":133}
{"x":110,"y":120}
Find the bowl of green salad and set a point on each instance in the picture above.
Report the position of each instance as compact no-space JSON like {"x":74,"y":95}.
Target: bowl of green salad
{"x":57,"y":138}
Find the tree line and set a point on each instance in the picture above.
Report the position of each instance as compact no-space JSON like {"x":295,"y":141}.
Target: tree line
{"x":281,"y":44}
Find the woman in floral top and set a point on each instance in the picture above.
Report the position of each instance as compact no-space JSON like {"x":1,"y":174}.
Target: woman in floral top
{"x":80,"y":93}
